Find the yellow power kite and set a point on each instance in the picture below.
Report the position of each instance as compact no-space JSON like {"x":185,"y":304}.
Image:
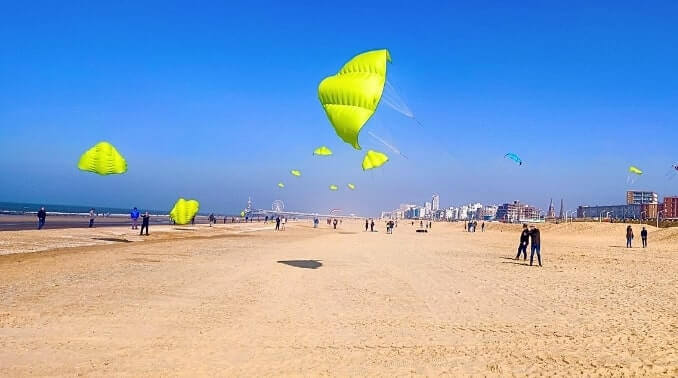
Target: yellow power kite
{"x":374,"y":159}
{"x":352,"y":95}
{"x":184,"y":210}
{"x":103,"y":159}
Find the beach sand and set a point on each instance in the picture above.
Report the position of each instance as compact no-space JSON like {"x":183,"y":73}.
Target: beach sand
{"x":243,"y":300}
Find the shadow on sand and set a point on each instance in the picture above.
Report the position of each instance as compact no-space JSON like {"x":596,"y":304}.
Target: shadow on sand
{"x":514,"y":261}
{"x":306,"y":264}
{"x":117,"y":240}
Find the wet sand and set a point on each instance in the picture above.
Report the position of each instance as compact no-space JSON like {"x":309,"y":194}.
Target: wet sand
{"x":243,"y":300}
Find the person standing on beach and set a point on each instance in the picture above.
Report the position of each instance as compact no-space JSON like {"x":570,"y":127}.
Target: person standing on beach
{"x":92,"y":215}
{"x":643,"y":237}
{"x":42,"y":214}
{"x":535,"y":239}
{"x":284,"y":222}
{"x":372,"y":225}
{"x":522,"y":247}
{"x":629,"y":236}
{"x":134,"y":215}
{"x":144,"y":223}
{"x":335,"y":223}
{"x":367,"y":224}
{"x":482,"y":227}
{"x":277,"y":223}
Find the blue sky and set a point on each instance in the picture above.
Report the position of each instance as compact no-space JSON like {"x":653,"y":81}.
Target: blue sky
{"x":218,"y":102}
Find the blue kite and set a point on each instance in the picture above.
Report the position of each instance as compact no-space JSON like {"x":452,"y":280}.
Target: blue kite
{"x":514,"y":157}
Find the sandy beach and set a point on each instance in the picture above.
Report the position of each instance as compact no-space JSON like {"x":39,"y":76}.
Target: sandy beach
{"x":240,"y":299}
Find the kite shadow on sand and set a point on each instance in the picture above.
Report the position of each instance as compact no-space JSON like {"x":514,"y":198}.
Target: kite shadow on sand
{"x":306,"y":264}
{"x":116,"y":240}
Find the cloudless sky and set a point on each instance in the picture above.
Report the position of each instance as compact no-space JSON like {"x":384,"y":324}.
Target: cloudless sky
{"x":218,"y":101}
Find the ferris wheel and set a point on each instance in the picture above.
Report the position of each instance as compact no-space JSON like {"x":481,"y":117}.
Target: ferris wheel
{"x":278,"y":206}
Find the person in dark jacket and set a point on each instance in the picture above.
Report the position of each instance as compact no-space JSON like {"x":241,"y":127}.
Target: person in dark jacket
{"x":629,"y":236}
{"x":144,"y":223}
{"x":372,"y":225}
{"x":643,"y":236}
{"x":535,"y":240}
{"x":277,"y":223}
{"x":42,"y":214}
{"x":524,"y":239}
{"x":367,"y":225}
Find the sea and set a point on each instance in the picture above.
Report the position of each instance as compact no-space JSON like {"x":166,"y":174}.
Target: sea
{"x":18,"y":208}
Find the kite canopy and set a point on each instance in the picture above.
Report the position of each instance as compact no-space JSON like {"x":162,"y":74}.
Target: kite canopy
{"x":374,"y":159}
{"x":103,"y":159}
{"x":322,"y":151}
{"x":334,"y":187}
{"x":242,"y":213}
{"x":635,"y":170}
{"x":281,"y":185}
{"x":183,"y":211}
{"x":351,"y":96}
{"x":295,"y":172}
{"x":351,"y":186}
{"x":514,"y":157}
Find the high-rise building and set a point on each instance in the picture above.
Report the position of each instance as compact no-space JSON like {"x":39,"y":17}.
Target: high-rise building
{"x":436,"y":202}
{"x":561,"y":215}
{"x":634,"y":197}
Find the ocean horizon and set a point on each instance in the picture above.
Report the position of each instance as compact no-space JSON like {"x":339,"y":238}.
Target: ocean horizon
{"x":19,"y":208}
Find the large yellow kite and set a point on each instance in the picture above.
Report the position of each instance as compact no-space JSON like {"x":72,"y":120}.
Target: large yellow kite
{"x":183,"y":211}
{"x":103,"y":159}
{"x":351,"y":96}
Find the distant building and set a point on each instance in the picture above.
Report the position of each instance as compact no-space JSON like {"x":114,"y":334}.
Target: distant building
{"x":488,"y":212}
{"x":632,"y":211}
{"x":517,"y":212}
{"x":562,"y":215}
{"x":670,"y":207}
{"x":463,"y":212}
{"x":551,"y":212}
{"x":435,"y":202}
{"x":634,"y":197}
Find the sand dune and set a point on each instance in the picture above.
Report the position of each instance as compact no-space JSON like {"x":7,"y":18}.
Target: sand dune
{"x":243,"y":300}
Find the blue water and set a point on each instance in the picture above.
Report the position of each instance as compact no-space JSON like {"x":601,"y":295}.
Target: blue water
{"x":21,"y":208}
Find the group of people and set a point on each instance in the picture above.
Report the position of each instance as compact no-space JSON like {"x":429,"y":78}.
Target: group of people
{"x":145,"y":219}
{"x":471,"y":226}
{"x":531,"y":236}
{"x":629,"y":237}
{"x":390,"y":225}
{"x":134,"y":217}
{"x":280,"y":223}
{"x":369,"y":224}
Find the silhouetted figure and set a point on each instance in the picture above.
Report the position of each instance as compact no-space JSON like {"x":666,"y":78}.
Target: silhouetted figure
{"x":524,"y":239}
{"x":42,"y":214}
{"x":367,"y":225}
{"x":144,"y":223}
{"x":277,"y":223}
{"x":535,"y":240}
{"x":643,"y":236}
{"x":335,"y":223}
{"x":372,"y":225}
{"x":629,"y":236}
